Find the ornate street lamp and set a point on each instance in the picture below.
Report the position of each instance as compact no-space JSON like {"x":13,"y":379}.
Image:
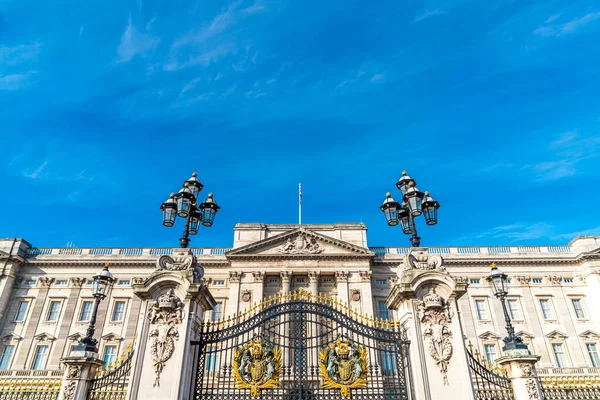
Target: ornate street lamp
{"x":100,"y":286}
{"x":498,"y":280}
{"x":414,"y":203}
{"x":184,"y":205}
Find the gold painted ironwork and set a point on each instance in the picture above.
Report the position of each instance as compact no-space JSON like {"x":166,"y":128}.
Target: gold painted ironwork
{"x":343,"y":366}
{"x":302,"y":294}
{"x":18,"y":388}
{"x":256,"y":366}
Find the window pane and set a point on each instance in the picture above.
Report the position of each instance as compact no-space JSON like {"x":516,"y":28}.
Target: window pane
{"x":490,"y":352}
{"x":6,"y":356}
{"x":217,"y":312}
{"x":53,"y":311}
{"x":559,"y":354}
{"x":513,"y":307}
{"x":593,"y":352}
{"x":40,"y":357}
{"x":389,"y":360}
{"x":212,"y":359}
{"x":119,"y":311}
{"x":481,"y":309}
{"x":384,"y":313}
{"x":22,"y":311}
{"x":578,"y":308}
{"x":545,"y":306}
{"x":110,"y":353}
{"x":86,"y":311}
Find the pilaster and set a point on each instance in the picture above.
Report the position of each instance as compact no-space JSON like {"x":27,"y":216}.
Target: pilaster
{"x":258,"y":285}
{"x":233,"y":305}
{"x":286,"y":278}
{"x":79,"y":371}
{"x":313,"y":277}
{"x":341,"y":278}
{"x":521,"y":372}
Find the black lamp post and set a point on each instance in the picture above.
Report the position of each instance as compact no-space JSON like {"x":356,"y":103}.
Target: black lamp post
{"x":498,"y":281}
{"x":414,"y":203}
{"x":100,"y":286}
{"x":183,"y":204}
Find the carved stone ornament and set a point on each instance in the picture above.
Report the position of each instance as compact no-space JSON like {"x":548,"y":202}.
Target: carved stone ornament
{"x":554,"y":280}
{"x":235,"y":276}
{"x":70,"y":389}
{"x":343,"y":366}
{"x":137,"y":280}
{"x":246,"y":296}
{"x":45,"y":281}
{"x":166,"y":313}
{"x":177,"y":263}
{"x":77,"y":281}
{"x":355,"y":295}
{"x":300,"y":245}
{"x":313,"y":276}
{"x":435,"y":316}
{"x":256,"y":366}
{"x":461,"y":279}
{"x":420,"y":259}
{"x":532,"y":389}
{"x":365,"y":276}
{"x":259,"y":276}
{"x":523,"y":280}
{"x":74,"y":371}
{"x":341,"y":276}
{"x":527,"y":369}
{"x":285,"y":276}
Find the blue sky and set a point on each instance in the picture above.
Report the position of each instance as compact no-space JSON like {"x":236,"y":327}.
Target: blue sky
{"x":108,"y":106}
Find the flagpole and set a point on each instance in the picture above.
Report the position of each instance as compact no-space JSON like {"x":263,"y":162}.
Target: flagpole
{"x":299,"y":204}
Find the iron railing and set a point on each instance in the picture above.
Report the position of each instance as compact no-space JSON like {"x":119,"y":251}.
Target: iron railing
{"x":112,"y":381}
{"x":570,"y":387}
{"x":489,"y":379}
{"x":29,"y":388}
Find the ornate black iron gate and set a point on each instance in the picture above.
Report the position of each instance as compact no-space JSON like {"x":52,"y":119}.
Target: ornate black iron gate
{"x":302,"y":347}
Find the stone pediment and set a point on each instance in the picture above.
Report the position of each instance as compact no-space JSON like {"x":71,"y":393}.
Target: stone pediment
{"x":525,"y":335}
{"x":44,"y":337}
{"x":4,"y":254}
{"x":11,"y":337}
{"x":489,"y":336}
{"x":112,"y":337}
{"x":556,"y":335}
{"x":589,"y":335}
{"x":75,"y":336}
{"x":300,"y":243}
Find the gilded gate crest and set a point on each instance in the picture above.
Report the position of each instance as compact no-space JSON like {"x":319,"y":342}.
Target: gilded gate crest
{"x":343,"y":366}
{"x":256,"y":366}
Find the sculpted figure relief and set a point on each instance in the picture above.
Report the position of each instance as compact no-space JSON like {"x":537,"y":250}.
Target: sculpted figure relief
{"x":343,"y":366}
{"x":300,"y":245}
{"x":435,"y":316}
{"x":165,"y":313}
{"x":256,"y":366}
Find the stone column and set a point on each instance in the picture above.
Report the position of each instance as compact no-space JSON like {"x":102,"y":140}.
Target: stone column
{"x":174,"y":299}
{"x":313,"y":277}
{"x":366,"y":292}
{"x":286,"y":277}
{"x":521,"y":371}
{"x":79,"y":371}
{"x":233,"y":305}
{"x":341,"y":277}
{"x":425,"y":298}
{"x":258,"y":286}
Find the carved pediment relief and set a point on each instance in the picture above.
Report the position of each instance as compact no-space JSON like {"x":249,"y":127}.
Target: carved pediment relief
{"x":4,"y":254}
{"x":112,"y":337}
{"x":11,"y":337}
{"x":44,"y":337}
{"x":556,"y":335}
{"x":589,"y":334}
{"x":489,"y":335}
{"x":299,"y":243}
{"x":74,"y":337}
{"x":525,"y":335}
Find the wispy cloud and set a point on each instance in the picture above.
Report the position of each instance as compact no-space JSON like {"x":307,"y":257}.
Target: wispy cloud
{"x":14,"y":81}
{"x":553,"y":18}
{"x":584,"y":232}
{"x":377,"y":77}
{"x":427,"y":14}
{"x":519,"y":232}
{"x":134,"y":43}
{"x":35,"y":174}
{"x":190,"y":85}
{"x":19,"y":54}
{"x":566,"y":28}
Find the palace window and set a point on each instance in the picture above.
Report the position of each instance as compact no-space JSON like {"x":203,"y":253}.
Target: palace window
{"x":513,"y":308}
{"x":482,"y":311}
{"x":546,"y":309}
{"x":217,"y":312}
{"x":300,"y":280}
{"x":536,"y":280}
{"x":53,"y":310}
{"x":559,"y":355}
{"x":39,"y":360}
{"x":61,"y":283}
{"x":30,"y":282}
{"x":22,"y":311}
{"x":327,"y":280}
{"x":490,"y":352}
{"x":474,"y":281}
{"x":273,"y":280}
{"x":384,"y":313}
{"x":568,"y":280}
{"x":381,"y":282}
{"x":219,"y":283}
{"x":124,"y":283}
{"x":7,"y":353}
{"x":86,"y":311}
{"x":389,"y":360}
{"x":578,"y":307}
{"x":593,"y":353}
{"x":212,"y":359}
{"x":118,"y":311}
{"x":110,"y":353}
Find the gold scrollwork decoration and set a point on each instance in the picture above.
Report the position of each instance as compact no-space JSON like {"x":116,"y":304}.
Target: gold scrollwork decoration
{"x":257,"y":366}
{"x":343,"y":366}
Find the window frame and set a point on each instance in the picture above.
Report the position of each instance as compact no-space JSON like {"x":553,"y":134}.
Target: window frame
{"x":21,"y":301}
{"x":35,"y":357}
{"x":114,"y":356}
{"x":386,"y":314}
{"x":212,"y":312}
{"x":516,"y":301}
{"x":486,"y":309}
{"x":114,"y":309}
{"x":10,"y":358}
{"x":487,"y":354}
{"x":49,"y":310}
{"x":582,"y":305}
{"x":595,"y":362}
{"x":81,"y":308}
{"x":564,"y":352}
{"x":551,"y":309}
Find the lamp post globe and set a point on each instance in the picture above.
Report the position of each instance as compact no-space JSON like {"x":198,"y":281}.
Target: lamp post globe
{"x":414,"y":204}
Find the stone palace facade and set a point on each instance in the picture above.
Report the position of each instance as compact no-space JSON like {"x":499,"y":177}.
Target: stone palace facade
{"x":46,"y":302}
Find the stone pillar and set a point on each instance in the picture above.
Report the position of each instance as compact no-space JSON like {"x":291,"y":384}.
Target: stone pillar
{"x":174,"y":299}
{"x":521,"y":371}
{"x":425,"y":299}
{"x":258,"y":286}
{"x":286,"y":277}
{"x":79,"y":371}
{"x":233,"y":305}
{"x":313,"y":277}
{"x":341,"y":277}
{"x":366,"y":292}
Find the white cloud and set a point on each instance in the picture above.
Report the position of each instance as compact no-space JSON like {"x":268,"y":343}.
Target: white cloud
{"x":571,"y":235}
{"x":14,"y":81}
{"x":551,"y":170}
{"x":191,"y":84}
{"x":19,"y":54}
{"x":377,"y":77}
{"x":134,"y":43}
{"x":37,"y":172}
{"x":519,"y":232}
{"x":566,"y":28}
{"x":427,"y":14}
{"x":553,"y":18}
